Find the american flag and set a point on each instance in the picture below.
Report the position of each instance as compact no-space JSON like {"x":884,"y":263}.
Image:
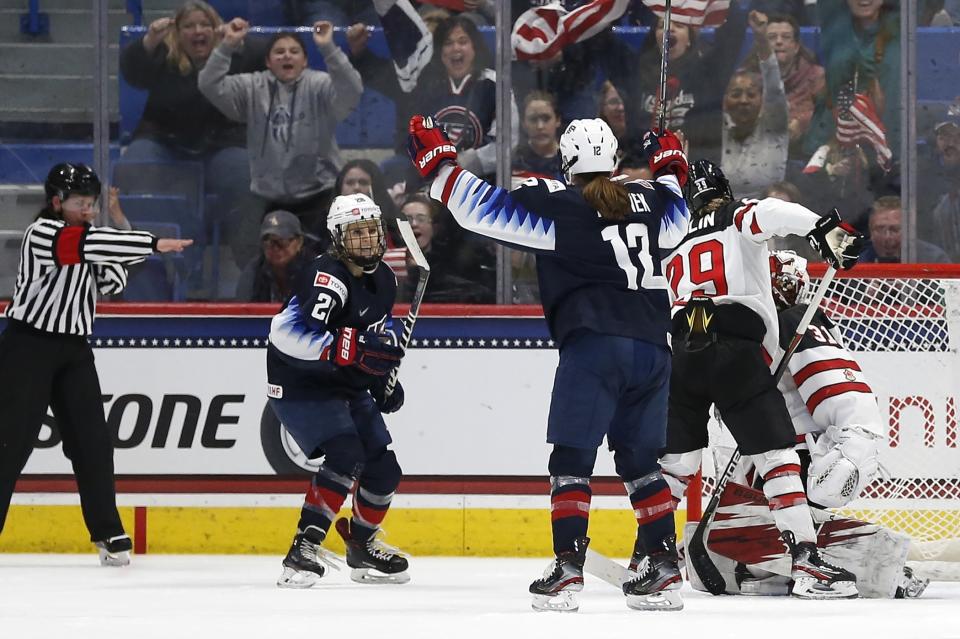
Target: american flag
{"x":857,"y":121}
{"x":542,"y":32}
{"x":696,"y":13}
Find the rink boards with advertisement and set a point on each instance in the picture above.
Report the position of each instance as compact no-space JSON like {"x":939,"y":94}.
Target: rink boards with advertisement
{"x":197,"y":447}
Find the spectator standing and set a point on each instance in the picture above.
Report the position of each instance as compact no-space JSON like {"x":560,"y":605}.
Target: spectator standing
{"x":45,"y":358}
{"x":803,"y":79}
{"x":610,"y":109}
{"x":284,"y":254}
{"x":859,"y":44}
{"x":456,"y":85}
{"x":292,"y":113}
{"x":697,"y":77}
{"x":755,"y":137}
{"x":178,"y":123}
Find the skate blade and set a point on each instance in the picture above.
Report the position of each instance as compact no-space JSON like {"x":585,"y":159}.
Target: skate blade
{"x":813,"y":589}
{"x":114,"y":559}
{"x":563,"y":601}
{"x":370,"y":576}
{"x":293,"y":578}
{"x":663,"y":600}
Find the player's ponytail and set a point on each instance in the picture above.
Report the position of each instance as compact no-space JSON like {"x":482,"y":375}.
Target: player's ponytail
{"x":608,"y":197}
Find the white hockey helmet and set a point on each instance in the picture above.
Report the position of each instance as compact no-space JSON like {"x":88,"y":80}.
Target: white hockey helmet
{"x":356,"y":230}
{"x":788,"y":277}
{"x":587,"y":146}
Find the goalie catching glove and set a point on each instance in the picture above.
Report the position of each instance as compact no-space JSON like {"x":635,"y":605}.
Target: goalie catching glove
{"x":366,"y":351}
{"x":428,"y":146}
{"x":838,"y":243}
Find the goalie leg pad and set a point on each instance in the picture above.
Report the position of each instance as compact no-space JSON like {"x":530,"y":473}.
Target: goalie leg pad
{"x":780,"y":470}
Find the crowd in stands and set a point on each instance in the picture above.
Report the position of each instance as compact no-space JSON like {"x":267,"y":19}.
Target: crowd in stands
{"x":816,"y":124}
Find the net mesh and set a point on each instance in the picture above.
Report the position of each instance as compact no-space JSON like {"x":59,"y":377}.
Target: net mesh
{"x":903,"y":330}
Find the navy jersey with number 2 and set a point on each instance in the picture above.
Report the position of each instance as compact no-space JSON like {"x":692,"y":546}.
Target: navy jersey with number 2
{"x":593,"y":273}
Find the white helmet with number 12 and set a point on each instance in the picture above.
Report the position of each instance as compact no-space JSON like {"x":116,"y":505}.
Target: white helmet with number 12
{"x":587,"y":146}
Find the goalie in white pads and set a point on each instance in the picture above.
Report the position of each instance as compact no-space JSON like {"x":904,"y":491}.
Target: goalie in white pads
{"x":836,"y":414}
{"x":839,"y":430}
{"x":724,"y":320}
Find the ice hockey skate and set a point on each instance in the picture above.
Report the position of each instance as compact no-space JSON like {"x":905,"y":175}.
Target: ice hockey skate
{"x":306,"y":561}
{"x":563,"y":578}
{"x":115,"y":551}
{"x":813,"y":578}
{"x":373,"y":562}
{"x":655,"y":578}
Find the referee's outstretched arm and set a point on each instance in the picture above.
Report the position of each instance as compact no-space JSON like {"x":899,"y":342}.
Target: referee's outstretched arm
{"x":52,"y":243}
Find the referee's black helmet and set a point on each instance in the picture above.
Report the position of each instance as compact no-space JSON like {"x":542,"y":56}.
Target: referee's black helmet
{"x":705,"y":182}
{"x":67,"y":179}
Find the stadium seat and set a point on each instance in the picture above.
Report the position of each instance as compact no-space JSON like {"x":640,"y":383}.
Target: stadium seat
{"x":10,"y":241}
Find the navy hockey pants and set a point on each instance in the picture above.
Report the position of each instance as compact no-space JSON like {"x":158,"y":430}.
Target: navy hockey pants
{"x":312,"y":422}
{"x":610,"y":386}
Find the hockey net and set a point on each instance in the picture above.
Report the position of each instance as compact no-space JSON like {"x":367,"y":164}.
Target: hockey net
{"x":902,"y":324}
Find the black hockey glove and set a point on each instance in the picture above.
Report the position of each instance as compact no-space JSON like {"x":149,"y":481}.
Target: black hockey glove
{"x":366,"y":351}
{"x":838,"y":243}
{"x":389,"y":403}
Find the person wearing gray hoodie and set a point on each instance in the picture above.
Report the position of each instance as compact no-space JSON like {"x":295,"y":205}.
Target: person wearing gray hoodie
{"x":291,"y":114}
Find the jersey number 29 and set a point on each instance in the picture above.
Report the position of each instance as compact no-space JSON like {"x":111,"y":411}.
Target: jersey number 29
{"x":706,"y":273}
{"x":635,"y":247}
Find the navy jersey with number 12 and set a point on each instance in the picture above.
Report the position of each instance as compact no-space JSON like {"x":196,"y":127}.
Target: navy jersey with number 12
{"x":593,"y":273}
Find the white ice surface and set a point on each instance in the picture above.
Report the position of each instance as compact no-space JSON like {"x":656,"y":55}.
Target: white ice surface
{"x":217,"y":597}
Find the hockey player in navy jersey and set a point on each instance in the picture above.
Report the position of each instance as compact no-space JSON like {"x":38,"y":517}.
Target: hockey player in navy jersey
{"x":597,"y":244}
{"x":328,"y":359}
{"x":725,"y":334}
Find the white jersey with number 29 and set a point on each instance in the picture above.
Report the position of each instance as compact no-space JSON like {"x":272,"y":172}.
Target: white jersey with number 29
{"x":725,"y":256}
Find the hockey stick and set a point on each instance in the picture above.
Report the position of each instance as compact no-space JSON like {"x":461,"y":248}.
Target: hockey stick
{"x":665,"y":44}
{"x":708,"y":572}
{"x":406,"y":232}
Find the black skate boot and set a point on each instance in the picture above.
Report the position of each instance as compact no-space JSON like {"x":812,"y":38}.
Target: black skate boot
{"x":910,"y":586}
{"x":813,"y":578}
{"x":114,"y":551}
{"x":656,"y":578}
{"x":388,"y":564}
{"x":562,"y":579}
{"x":304,"y":563}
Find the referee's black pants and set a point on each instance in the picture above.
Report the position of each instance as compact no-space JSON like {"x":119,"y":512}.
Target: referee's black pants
{"x":38,"y":370}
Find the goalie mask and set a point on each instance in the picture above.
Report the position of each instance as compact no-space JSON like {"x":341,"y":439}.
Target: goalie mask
{"x":356,"y":231}
{"x":788,"y":278}
{"x":587,"y":146}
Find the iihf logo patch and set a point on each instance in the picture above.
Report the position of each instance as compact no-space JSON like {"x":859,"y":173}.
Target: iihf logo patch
{"x":848,"y":375}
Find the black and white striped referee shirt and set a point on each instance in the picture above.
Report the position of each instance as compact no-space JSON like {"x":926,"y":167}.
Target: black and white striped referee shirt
{"x":62,"y":267}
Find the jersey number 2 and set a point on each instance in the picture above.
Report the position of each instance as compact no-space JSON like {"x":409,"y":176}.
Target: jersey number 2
{"x":636,"y":238}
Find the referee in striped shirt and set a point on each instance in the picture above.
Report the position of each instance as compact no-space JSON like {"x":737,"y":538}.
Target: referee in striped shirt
{"x":45,"y":358}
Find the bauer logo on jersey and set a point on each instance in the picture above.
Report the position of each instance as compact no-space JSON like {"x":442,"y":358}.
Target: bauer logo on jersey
{"x":325,"y":280}
{"x":275,"y":391}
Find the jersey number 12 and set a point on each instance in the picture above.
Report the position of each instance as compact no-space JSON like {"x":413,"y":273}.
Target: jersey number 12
{"x":635,"y":247}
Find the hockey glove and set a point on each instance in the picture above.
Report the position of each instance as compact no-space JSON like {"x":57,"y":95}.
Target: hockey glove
{"x":665,"y":155}
{"x":387,"y":404}
{"x":838,"y":243}
{"x":366,"y":351}
{"x":428,"y":146}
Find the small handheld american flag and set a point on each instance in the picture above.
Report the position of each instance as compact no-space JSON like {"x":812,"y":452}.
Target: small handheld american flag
{"x":857,"y":121}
